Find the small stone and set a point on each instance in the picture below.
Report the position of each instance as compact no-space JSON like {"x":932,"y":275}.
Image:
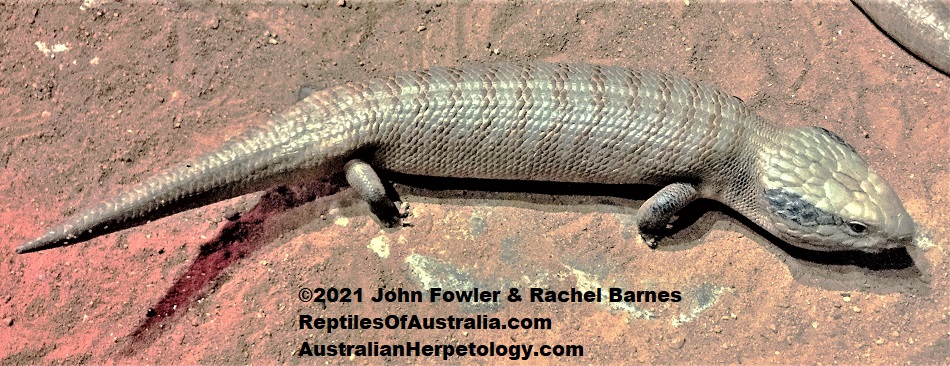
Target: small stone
{"x":421,"y":28}
{"x":856,"y":309}
{"x":678,"y":342}
{"x":8,"y":321}
{"x":272,"y":41}
{"x":341,"y":3}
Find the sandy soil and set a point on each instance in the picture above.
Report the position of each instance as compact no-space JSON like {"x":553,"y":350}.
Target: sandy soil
{"x":101,"y":95}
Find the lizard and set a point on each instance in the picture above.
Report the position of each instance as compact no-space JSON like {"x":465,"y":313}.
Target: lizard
{"x":546,"y":122}
{"x":920,"y":26}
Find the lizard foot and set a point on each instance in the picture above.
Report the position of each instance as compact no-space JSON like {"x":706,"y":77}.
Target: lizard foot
{"x":652,"y":241}
{"x":404,"y":213}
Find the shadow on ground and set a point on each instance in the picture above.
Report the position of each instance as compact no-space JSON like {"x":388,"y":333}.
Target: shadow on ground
{"x":244,"y":235}
{"x":240,"y":237}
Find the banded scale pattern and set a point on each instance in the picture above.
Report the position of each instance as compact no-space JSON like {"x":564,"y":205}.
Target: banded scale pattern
{"x":550,"y":122}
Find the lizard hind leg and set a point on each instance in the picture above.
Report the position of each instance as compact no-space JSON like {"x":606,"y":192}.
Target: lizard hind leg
{"x":656,"y":212}
{"x":367,"y":184}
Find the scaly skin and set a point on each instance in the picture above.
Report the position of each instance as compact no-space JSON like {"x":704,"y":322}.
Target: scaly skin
{"x":921,"y":26}
{"x":570,"y":123}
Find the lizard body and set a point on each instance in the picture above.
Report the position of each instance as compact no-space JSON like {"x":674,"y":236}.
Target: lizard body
{"x":550,"y":122}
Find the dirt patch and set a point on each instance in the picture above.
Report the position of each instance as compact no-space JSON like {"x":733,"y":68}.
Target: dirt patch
{"x":96,"y":97}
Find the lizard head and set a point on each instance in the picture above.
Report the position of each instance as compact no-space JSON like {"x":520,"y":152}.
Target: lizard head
{"x":818,"y":193}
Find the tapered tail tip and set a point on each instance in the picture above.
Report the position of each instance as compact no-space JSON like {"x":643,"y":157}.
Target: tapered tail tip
{"x":31,"y":246}
{"x":51,"y":240}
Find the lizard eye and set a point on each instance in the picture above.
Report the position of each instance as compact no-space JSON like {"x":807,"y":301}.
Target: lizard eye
{"x":858,"y":228}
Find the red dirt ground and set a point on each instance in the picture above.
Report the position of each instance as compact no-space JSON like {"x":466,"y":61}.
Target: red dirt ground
{"x":139,"y":86}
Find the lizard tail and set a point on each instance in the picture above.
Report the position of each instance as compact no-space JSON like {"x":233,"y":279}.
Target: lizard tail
{"x":257,"y":160}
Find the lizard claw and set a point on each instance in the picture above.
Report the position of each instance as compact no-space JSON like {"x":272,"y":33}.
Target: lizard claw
{"x":403,"y":212}
{"x":652,"y":241}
